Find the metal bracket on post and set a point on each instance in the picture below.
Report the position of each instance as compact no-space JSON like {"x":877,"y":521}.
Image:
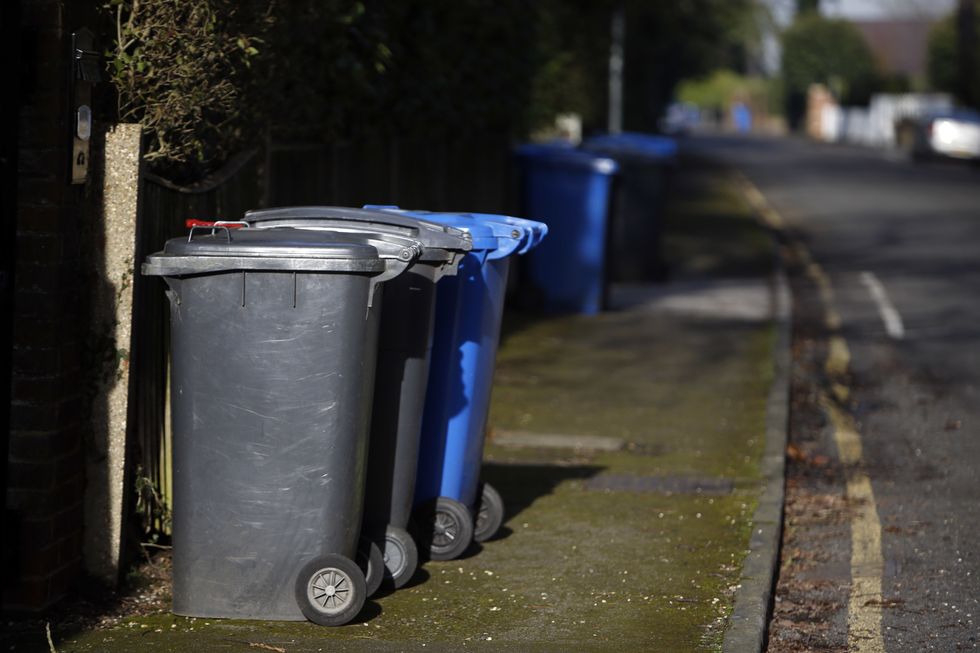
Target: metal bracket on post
{"x":85,"y":72}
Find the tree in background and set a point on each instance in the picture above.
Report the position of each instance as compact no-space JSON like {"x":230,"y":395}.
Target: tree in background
{"x":717,"y":92}
{"x":570,"y":49}
{"x":827,"y":51}
{"x":667,"y":42}
{"x":953,"y":64}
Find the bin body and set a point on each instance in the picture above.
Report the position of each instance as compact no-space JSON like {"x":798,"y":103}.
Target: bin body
{"x":404,"y":355}
{"x":270,"y":442}
{"x":635,"y":249}
{"x":469,"y":310}
{"x":570,"y":190}
{"x":404,"y":346}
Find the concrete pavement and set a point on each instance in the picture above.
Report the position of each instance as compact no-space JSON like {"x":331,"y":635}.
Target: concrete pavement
{"x":639,"y":458}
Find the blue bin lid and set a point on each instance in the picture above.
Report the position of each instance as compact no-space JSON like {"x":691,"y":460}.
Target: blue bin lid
{"x":534,"y":231}
{"x":561,"y":153}
{"x":499,"y":235}
{"x":661,"y":148}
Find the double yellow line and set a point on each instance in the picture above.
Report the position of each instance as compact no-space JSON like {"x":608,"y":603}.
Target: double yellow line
{"x":864,"y":632}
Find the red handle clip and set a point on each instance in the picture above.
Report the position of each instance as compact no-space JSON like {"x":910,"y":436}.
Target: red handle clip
{"x":193,"y":222}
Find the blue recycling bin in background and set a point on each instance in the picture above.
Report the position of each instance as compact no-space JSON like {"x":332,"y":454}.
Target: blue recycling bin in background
{"x":742,"y":117}
{"x":570,"y":189}
{"x":452,"y":507}
{"x":636,"y":225}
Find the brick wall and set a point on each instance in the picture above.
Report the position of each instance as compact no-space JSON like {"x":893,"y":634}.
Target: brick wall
{"x":48,"y":411}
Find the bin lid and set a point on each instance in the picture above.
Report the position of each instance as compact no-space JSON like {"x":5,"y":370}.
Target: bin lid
{"x":439,"y":241}
{"x":648,"y":146}
{"x":217,"y":249}
{"x":564,"y":155}
{"x":536,"y":231}
{"x":389,"y":246}
{"x":499,"y":235}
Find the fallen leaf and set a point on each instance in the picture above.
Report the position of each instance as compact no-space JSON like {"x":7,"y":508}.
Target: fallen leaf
{"x":793,"y":453}
{"x":266,"y":647}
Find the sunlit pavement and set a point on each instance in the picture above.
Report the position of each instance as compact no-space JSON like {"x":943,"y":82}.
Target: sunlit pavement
{"x":627,"y":449}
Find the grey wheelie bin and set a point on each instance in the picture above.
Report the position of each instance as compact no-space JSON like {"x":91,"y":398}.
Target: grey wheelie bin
{"x":270,"y":331}
{"x":404,"y":353}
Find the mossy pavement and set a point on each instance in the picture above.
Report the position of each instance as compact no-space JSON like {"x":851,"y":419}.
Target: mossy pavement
{"x":636,"y":545}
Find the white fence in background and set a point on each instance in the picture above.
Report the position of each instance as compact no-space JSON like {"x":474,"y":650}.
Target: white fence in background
{"x":874,"y":125}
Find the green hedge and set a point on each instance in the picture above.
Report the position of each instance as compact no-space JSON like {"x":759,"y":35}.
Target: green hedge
{"x":211,"y":77}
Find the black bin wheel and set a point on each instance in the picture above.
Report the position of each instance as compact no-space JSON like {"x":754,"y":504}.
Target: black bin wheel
{"x":490,"y":514}
{"x":445,"y":528}
{"x":401,"y":556}
{"x":330,"y":590}
{"x":371,"y":561}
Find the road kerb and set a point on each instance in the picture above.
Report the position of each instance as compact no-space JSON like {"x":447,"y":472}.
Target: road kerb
{"x":748,"y":623}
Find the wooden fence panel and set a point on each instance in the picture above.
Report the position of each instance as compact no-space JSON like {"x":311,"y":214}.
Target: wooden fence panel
{"x":164,"y":210}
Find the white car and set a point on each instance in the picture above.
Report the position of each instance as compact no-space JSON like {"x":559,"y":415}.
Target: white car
{"x":954,"y":133}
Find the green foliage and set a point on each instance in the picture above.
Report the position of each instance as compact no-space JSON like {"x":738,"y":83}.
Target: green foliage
{"x":818,"y":50}
{"x":942,"y":54}
{"x":211,"y":77}
{"x":831,"y":52}
{"x":457,"y":65}
{"x":667,"y":42}
{"x":207,"y":78}
{"x":154,"y":514}
{"x":944,"y":61}
{"x":178,"y":68}
{"x":570,"y":48}
{"x":718,"y":90}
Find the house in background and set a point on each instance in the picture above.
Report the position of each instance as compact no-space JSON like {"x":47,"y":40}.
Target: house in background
{"x":900,"y":46}
{"x":896,"y":30}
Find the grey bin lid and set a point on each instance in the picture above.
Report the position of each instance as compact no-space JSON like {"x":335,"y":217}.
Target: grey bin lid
{"x":389,"y":246}
{"x":439,"y":241}
{"x":221,"y":249}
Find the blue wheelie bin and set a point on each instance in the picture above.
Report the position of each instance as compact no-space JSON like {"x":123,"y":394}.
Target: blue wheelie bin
{"x":635,"y":251}
{"x":571,"y":191}
{"x":404,"y":348}
{"x":452,"y":507}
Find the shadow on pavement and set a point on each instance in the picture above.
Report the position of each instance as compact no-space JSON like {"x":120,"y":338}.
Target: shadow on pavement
{"x":520,"y":485}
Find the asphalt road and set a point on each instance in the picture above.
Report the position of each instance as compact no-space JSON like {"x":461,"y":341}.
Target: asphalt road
{"x":900,"y":245}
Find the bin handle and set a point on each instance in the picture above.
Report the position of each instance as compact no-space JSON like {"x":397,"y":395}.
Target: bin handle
{"x":450,"y":267}
{"x":393,"y":268}
{"x":213,"y":228}
{"x":235,"y":224}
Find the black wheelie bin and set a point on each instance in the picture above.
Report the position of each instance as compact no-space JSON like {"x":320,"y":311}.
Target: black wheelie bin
{"x":404,"y":353}
{"x":270,"y":333}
